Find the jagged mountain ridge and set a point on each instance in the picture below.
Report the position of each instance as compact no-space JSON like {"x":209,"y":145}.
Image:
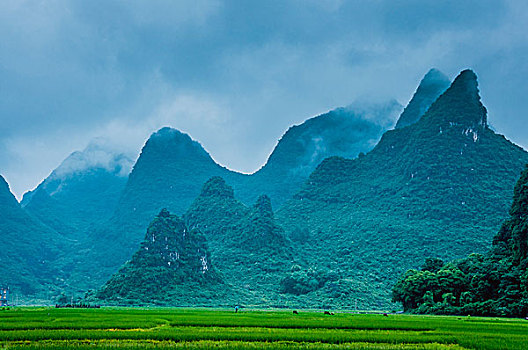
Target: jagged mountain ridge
{"x":248,"y":245}
{"x":395,"y":197}
{"x":443,"y":179}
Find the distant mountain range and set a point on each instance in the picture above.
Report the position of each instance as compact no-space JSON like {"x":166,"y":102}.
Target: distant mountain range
{"x":354,"y":208}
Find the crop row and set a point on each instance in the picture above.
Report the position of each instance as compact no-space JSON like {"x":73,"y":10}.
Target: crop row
{"x":252,"y":334}
{"x":218,"y":345}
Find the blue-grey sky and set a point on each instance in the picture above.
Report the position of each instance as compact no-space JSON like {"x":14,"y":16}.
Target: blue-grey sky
{"x":234,"y":74}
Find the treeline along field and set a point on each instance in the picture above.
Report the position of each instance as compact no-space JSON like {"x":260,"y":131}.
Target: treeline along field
{"x":46,"y":328}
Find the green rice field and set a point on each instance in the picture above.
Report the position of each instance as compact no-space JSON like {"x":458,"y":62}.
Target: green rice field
{"x":106,"y":328}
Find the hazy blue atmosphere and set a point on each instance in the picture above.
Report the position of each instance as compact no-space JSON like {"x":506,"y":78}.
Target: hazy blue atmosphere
{"x":234,"y":74}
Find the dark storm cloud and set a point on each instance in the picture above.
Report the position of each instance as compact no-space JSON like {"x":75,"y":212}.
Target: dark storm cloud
{"x":233,"y":74}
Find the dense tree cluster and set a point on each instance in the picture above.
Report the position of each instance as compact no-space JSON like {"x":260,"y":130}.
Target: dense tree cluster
{"x":302,"y":281}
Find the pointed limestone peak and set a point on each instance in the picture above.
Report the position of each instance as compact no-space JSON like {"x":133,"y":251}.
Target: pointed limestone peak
{"x":459,"y":105}
{"x":433,"y":84}
{"x":263,"y":206}
{"x":167,"y":135}
{"x":217,"y":187}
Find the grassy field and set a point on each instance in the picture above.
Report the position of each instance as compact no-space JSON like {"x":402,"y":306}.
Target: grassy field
{"x":49,"y":328}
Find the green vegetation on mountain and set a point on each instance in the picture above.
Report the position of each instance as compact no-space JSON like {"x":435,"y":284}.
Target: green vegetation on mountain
{"x":438,"y":187}
{"x":168,"y":174}
{"x":28,"y":249}
{"x":494,"y":284}
{"x":172,"y":266}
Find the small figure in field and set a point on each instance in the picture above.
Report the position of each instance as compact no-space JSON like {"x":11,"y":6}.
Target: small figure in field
{"x":295,"y":312}
{"x":327,"y":312}
{"x":385,"y":315}
{"x":236,"y":309}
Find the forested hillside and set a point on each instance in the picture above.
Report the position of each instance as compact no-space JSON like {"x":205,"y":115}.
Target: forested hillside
{"x":437,"y":185}
{"x":344,"y":132}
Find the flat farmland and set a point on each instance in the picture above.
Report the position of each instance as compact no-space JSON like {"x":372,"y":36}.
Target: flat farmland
{"x":143,"y":328}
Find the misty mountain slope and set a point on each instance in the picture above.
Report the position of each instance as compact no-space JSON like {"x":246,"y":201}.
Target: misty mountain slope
{"x":344,"y":132}
{"x":439,"y":187}
{"x":433,"y":84}
{"x":29,"y":249}
{"x":171,"y":267}
{"x":82,"y":192}
{"x":248,"y":246}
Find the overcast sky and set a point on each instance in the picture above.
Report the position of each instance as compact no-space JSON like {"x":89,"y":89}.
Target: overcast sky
{"x":234,"y":74}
